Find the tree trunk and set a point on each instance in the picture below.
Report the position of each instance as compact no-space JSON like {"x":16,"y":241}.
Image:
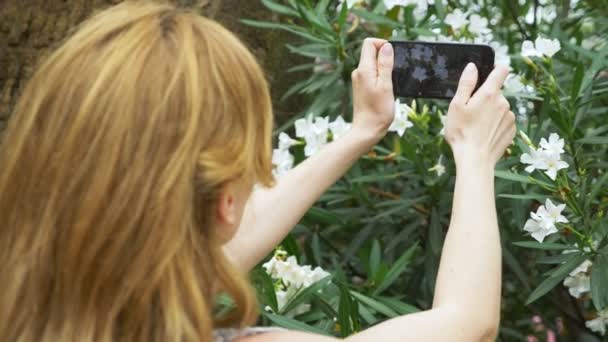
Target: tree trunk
{"x":28,"y":29}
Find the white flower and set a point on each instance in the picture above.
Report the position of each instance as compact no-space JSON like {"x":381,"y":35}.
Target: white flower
{"x":444,"y":121}
{"x":292,"y":274}
{"x":547,"y":158}
{"x":389,"y":4}
{"x":552,"y":212}
{"x":439,"y":168}
{"x":514,"y":84}
{"x":478,"y":25}
{"x":285,"y":142}
{"x":351,"y":3}
{"x":339,"y":127}
{"x":547,"y":47}
{"x":501,"y":53}
{"x":582,"y":268}
{"x":578,"y":284}
{"x":598,"y":324}
{"x":555,"y":145}
{"x":542,"y":223}
{"x":541,"y":47}
{"x":528,"y":49}
{"x":456,"y":19}
{"x":538,"y":230}
{"x":314,"y":131}
{"x":535,"y":159}
{"x":554,"y":164}
{"x":401,"y":120}
{"x":282,"y":160}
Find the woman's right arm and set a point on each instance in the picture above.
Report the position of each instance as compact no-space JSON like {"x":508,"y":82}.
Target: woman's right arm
{"x":466,"y":304}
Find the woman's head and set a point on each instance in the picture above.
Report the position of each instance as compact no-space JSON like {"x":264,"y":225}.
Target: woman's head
{"x":126,"y":164}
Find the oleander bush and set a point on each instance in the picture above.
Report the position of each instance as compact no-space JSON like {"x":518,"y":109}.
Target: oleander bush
{"x":371,"y":245}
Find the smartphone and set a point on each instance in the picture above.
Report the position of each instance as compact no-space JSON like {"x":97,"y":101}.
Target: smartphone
{"x":432,"y":70}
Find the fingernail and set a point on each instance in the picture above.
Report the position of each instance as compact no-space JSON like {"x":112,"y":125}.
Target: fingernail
{"x":469,"y":67}
{"x":387,"y":49}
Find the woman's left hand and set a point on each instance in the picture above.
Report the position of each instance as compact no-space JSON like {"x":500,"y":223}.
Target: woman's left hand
{"x":373,"y":100}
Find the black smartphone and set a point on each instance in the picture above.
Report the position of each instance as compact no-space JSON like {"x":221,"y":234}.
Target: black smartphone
{"x":432,"y":70}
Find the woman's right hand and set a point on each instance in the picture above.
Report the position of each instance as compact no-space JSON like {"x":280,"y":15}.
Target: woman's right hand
{"x":480,"y":127}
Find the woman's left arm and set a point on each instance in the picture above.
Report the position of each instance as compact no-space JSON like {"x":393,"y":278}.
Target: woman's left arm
{"x":271,"y":213}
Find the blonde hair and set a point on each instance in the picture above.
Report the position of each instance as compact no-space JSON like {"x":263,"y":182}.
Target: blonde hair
{"x":111,"y":165}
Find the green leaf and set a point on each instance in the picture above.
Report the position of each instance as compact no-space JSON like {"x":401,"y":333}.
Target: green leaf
{"x":265,"y":288}
{"x":599,"y":282}
{"x":292,"y":324}
{"x":379,"y":177}
{"x":374,"y":258}
{"x":324,"y":216}
{"x":395,"y":271}
{"x":556,"y":276}
{"x":520,"y":178}
{"x":542,"y":245}
{"x":435,"y":233}
{"x":397,"y":305}
{"x":303,"y":295}
{"x":377,"y":18}
{"x":579,"y":73}
{"x":593,"y":140}
{"x":282,"y":9}
{"x":374,"y":304}
{"x":289,"y":28}
{"x":345,"y":308}
{"x":531,"y":196}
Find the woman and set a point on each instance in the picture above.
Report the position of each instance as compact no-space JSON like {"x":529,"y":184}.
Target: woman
{"x":131,"y":157}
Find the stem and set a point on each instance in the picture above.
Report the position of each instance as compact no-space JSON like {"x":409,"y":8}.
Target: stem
{"x":513,"y":13}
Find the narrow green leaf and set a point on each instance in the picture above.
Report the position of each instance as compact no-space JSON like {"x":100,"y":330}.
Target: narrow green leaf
{"x":320,"y":215}
{"x":556,"y":276}
{"x":577,"y":81}
{"x":395,"y":271}
{"x":520,"y":178}
{"x":292,"y":324}
{"x":374,"y":304}
{"x":282,"y":9}
{"x":542,"y":245}
{"x":397,"y":305}
{"x":599,"y":281}
{"x":593,"y":140}
{"x":344,"y":310}
{"x":531,"y":196}
{"x":374,"y":258}
{"x":305,"y":294}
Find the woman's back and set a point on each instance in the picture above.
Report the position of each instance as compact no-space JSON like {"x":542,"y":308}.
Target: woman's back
{"x":116,"y":146}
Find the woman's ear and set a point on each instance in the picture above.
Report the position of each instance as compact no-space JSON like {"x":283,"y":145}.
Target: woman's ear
{"x":231,"y":201}
{"x":226,"y":213}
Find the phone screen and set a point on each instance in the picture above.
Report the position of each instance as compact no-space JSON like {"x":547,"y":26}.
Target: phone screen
{"x":424,"y":69}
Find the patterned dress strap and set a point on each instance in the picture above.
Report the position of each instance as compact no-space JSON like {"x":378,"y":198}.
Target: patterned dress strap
{"x":230,"y":334}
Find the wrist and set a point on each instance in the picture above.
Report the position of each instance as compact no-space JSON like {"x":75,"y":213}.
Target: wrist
{"x":473,"y":159}
{"x":364,"y":138}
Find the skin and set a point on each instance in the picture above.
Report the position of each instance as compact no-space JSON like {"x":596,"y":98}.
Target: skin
{"x":479,"y":128}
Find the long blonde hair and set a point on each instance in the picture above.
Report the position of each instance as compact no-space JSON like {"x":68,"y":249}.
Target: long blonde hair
{"x":111,"y":164}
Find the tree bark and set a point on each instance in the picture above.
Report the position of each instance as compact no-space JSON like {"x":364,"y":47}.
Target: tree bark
{"x":30,"y":28}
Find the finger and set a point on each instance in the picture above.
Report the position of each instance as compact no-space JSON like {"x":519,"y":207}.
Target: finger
{"x":505,"y":128}
{"x":496,"y":79}
{"x":369,"y":54}
{"x":466,"y":85}
{"x":385,"y":66}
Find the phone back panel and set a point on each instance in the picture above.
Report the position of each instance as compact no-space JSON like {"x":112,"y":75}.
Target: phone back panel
{"x":432,"y":70}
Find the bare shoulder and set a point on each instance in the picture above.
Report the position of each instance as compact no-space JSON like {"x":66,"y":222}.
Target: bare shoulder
{"x":291,"y":336}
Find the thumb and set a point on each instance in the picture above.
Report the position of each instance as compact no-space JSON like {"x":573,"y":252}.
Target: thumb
{"x":385,"y":66}
{"x":466,"y":85}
